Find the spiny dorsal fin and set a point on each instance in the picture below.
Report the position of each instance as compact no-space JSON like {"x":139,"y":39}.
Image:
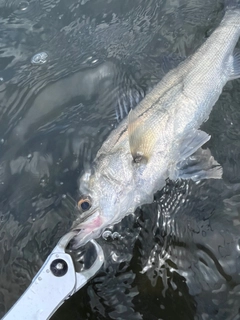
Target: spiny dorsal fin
{"x":141,"y":137}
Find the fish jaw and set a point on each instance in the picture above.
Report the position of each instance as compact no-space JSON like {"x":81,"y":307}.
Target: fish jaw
{"x":93,"y":226}
{"x":89,"y":229}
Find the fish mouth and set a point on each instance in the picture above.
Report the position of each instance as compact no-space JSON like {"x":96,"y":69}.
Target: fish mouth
{"x":86,"y":219}
{"x":88,"y":228}
{"x":84,"y":216}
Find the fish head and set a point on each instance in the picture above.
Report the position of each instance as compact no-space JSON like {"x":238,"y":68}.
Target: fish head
{"x":107,"y":195}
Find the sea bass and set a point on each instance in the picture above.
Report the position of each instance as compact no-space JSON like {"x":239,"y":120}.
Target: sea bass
{"x":160,"y":138}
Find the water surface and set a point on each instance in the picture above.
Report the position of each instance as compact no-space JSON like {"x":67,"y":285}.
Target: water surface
{"x":69,"y":71}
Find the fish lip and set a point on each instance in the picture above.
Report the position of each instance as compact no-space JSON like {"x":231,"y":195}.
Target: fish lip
{"x":85,"y":215}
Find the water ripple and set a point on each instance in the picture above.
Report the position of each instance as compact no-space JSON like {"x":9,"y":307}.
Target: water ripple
{"x":103,"y":56}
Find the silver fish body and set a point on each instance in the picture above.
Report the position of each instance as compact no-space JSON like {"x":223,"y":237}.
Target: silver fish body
{"x":160,"y":135}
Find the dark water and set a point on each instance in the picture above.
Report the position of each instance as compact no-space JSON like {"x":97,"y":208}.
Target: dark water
{"x":178,"y":258}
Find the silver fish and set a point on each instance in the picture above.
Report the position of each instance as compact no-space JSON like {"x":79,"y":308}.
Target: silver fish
{"x":160,"y":139}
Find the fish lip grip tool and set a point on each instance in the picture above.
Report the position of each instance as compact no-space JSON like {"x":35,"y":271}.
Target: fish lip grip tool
{"x":54,"y":283}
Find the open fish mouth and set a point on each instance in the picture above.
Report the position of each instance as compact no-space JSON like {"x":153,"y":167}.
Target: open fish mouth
{"x":87,"y":228}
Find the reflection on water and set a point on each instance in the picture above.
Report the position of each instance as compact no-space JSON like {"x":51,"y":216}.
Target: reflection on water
{"x":69,"y":72}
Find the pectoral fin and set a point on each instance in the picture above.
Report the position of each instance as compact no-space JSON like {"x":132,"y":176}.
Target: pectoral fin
{"x":192,"y":141}
{"x":201,"y":165}
{"x":195,"y":163}
{"x":141,"y":137}
{"x":235,"y":65}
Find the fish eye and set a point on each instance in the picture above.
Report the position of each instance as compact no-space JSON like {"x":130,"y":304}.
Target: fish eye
{"x":84,"y":203}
